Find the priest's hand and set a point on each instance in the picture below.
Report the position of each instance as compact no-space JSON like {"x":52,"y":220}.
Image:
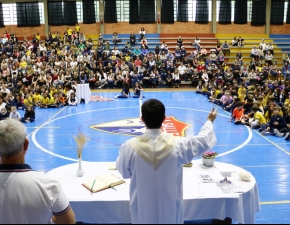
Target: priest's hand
{"x":212,"y":115}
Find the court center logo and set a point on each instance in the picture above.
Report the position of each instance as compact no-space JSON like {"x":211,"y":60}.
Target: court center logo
{"x":135,"y":127}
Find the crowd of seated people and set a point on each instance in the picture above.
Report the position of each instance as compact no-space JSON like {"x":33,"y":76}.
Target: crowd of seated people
{"x":56,"y":62}
{"x":252,"y":100}
{"x":43,"y":72}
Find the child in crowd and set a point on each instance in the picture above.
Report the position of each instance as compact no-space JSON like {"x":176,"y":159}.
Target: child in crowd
{"x":29,"y":115}
{"x":62,"y":100}
{"x":138,"y":91}
{"x":14,"y":114}
{"x":125,"y":93}
{"x":4,"y":114}
{"x":45,"y":101}
{"x":238,"y":113}
{"x":17,"y":102}
{"x":226,"y":100}
{"x":287,"y":130}
{"x":277,"y":123}
{"x":28,"y":100}
{"x":206,"y":89}
{"x":258,"y":120}
{"x":72,"y":99}
{"x":233,"y":105}
{"x":37,"y":98}
{"x":199,"y":87}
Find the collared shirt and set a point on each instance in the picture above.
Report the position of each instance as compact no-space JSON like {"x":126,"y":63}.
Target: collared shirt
{"x":28,"y":196}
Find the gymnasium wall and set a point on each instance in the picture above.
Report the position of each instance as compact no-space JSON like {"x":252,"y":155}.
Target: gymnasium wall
{"x":177,"y":27}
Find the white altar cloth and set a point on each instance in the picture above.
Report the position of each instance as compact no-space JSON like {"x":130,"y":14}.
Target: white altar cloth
{"x":201,"y":200}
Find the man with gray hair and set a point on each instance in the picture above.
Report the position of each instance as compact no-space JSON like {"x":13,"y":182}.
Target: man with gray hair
{"x":27,"y":196}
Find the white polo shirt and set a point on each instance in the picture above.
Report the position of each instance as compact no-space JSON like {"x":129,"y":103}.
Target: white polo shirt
{"x":181,"y":69}
{"x":29,"y":197}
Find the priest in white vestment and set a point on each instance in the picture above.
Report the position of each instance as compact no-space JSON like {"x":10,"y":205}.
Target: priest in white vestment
{"x":154,"y":163}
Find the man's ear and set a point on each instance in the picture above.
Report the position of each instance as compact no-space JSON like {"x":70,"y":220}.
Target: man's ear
{"x":25,"y":146}
{"x":164,"y":118}
{"x":142,"y":119}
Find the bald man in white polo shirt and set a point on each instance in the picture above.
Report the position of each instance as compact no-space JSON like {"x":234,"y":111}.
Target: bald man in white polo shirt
{"x":27,"y":196}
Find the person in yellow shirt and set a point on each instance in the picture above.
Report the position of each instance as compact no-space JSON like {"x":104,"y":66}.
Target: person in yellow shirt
{"x":287,"y":102}
{"x":37,"y":36}
{"x":260,"y":105}
{"x":37,"y":97}
{"x":265,"y":99}
{"x":28,"y":101}
{"x":258,"y":120}
{"x":45,"y":101}
{"x":241,"y":88}
{"x":78,"y":29}
{"x":113,"y":57}
{"x":54,"y":101}
{"x":53,"y":35}
{"x":217,"y":91}
{"x":52,"y":90}
{"x":205,"y":88}
{"x":127,"y":57}
{"x":243,"y":95}
{"x":23,"y":64}
{"x":69,"y":33}
{"x":28,"y":52}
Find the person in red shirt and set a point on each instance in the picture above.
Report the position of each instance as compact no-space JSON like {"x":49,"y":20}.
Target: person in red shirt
{"x":6,"y":35}
{"x":200,"y":69}
{"x":238,"y":113}
{"x":138,"y":62}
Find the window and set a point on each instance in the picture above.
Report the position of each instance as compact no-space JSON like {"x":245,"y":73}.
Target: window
{"x":10,"y":14}
{"x":218,"y":8}
{"x":79,"y":4}
{"x":192,"y":10}
{"x":250,"y":11}
{"x":122,"y":10}
{"x":175,"y":10}
{"x":233,"y":10}
{"x":285,"y":11}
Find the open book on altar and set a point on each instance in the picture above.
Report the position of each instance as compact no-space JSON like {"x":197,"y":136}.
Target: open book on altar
{"x":102,"y":182}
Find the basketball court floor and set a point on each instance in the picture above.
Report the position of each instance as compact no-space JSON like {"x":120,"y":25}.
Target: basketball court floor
{"x":108,"y":124}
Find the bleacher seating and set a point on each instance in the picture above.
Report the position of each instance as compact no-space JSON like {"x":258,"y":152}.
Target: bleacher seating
{"x":281,"y":43}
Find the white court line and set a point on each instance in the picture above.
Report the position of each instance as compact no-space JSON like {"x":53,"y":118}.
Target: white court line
{"x":140,"y":104}
{"x":96,"y":110}
{"x":43,"y":127}
{"x":282,"y":149}
{"x":280,"y":165}
{"x":37,"y":128}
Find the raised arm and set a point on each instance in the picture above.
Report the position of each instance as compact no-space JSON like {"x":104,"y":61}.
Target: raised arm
{"x":196,"y":145}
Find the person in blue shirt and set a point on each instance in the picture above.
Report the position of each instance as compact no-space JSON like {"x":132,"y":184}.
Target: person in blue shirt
{"x":277,"y":123}
{"x":137,"y":52}
{"x":125,"y":93}
{"x":183,"y":52}
{"x":226,"y":48}
{"x":138,"y":90}
{"x":170,"y":56}
{"x":286,"y":70}
{"x":4,"y":114}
